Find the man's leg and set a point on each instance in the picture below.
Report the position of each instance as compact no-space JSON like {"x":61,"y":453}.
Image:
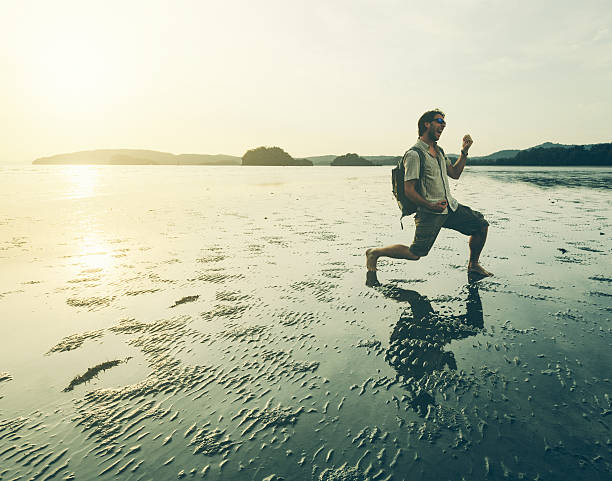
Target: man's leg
{"x":472,"y":223}
{"x":477,"y":242}
{"x":396,"y":251}
{"x":427,"y":227}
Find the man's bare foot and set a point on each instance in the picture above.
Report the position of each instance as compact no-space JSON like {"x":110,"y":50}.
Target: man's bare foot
{"x":479,"y":270}
{"x":371,"y":279}
{"x":371,"y":260}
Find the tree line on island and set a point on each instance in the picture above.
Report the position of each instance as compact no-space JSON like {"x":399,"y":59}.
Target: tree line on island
{"x":596,"y":155}
{"x":547,"y":154}
{"x":277,"y":156}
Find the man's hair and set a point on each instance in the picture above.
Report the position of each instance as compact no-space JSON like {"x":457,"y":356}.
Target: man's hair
{"x":428,"y":117}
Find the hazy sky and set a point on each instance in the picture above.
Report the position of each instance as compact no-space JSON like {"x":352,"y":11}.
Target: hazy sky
{"x":313,"y":77}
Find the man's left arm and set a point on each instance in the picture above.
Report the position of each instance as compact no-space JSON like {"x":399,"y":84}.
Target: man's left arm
{"x":454,"y":170}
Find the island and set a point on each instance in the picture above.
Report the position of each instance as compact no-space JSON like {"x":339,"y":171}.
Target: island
{"x":350,"y":159}
{"x":272,"y":156}
{"x":136,"y":157}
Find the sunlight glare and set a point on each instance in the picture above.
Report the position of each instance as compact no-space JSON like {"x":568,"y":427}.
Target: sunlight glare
{"x":94,"y":253}
{"x":82,"y":181}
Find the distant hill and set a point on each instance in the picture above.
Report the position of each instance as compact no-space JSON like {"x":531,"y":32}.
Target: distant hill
{"x":375,"y":159}
{"x":550,"y":154}
{"x":351,"y":159}
{"x":207,"y":159}
{"x":550,"y":145}
{"x":547,"y":153}
{"x":383,"y":159}
{"x":476,"y":160}
{"x":321,"y":159}
{"x":501,"y":154}
{"x":510,"y":153}
{"x":596,"y":155}
{"x":136,"y":157}
{"x":555,"y":154}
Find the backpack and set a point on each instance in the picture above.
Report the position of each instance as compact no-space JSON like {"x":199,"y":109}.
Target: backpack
{"x":397,"y":182}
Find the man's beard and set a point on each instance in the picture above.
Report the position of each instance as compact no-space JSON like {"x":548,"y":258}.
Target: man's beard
{"x":433,"y":135}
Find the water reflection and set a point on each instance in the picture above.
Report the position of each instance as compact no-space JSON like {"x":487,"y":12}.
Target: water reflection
{"x":416,"y":347}
{"x":93,"y":253}
{"x":547,"y":178}
{"x":82,"y":180}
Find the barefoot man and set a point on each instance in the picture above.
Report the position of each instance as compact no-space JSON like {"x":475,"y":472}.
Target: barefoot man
{"x":437,"y":208}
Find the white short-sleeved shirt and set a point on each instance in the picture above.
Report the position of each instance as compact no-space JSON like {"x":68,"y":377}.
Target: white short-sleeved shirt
{"x":434,"y":181}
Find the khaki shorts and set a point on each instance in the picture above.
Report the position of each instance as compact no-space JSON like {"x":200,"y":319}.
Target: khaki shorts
{"x":428,"y":225}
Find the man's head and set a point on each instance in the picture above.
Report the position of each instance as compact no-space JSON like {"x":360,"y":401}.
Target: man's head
{"x":432,"y":124}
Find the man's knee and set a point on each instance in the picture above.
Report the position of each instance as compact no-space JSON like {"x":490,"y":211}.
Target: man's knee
{"x":412,"y":255}
{"x":419,"y":251}
{"x":416,"y":257}
{"x":481,"y":231}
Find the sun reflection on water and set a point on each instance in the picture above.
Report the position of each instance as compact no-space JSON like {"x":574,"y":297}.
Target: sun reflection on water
{"x":82,"y":181}
{"x":91,"y":257}
{"x":86,"y":232}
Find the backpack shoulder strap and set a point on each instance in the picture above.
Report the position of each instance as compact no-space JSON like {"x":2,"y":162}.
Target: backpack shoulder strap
{"x":422,"y":159}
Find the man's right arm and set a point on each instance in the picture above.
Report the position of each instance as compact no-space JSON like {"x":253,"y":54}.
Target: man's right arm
{"x":418,"y":199}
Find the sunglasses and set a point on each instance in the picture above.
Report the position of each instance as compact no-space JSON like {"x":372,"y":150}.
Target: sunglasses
{"x":440,"y":121}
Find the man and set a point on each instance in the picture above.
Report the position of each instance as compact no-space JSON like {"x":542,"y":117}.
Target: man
{"x":436,"y":206}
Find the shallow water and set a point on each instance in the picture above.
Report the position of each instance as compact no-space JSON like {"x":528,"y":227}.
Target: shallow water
{"x":229,"y":308}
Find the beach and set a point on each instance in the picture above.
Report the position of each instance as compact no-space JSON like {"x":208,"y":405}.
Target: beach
{"x":168,"y":322}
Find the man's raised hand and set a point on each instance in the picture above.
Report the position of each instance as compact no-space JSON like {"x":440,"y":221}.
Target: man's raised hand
{"x":467,"y":143}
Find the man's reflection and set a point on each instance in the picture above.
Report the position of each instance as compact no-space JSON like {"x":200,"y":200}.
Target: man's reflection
{"x":416,"y":347}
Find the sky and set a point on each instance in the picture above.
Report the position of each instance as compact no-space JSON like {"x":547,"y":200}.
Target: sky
{"x":313,"y":77}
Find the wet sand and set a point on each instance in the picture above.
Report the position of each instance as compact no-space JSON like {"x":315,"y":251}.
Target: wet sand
{"x":219,"y":321}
